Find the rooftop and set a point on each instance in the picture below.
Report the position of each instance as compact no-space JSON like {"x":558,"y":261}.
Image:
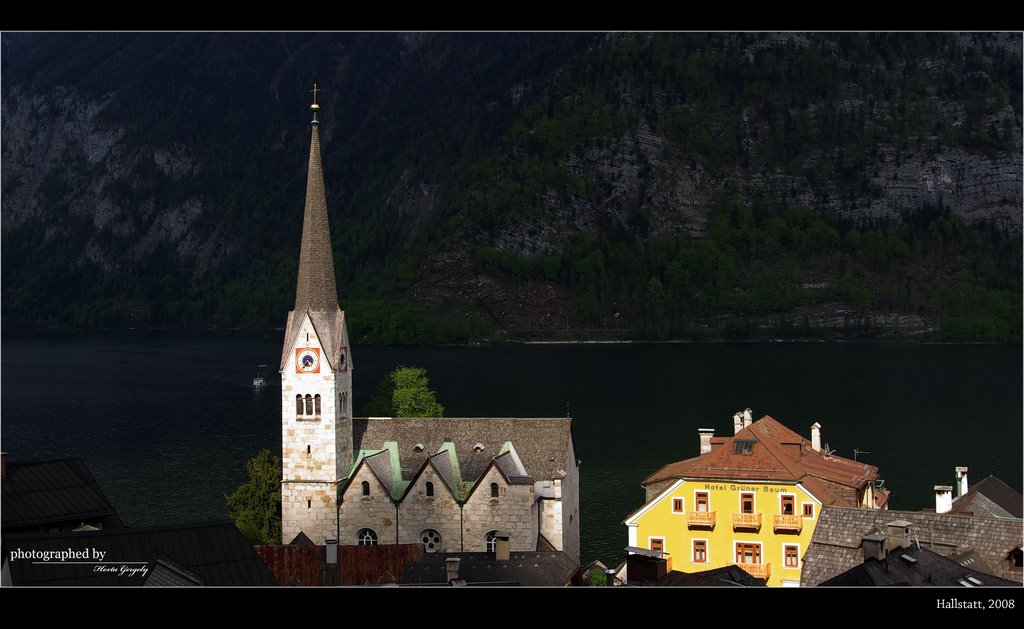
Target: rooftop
{"x":768,"y":451}
{"x":915,"y":566}
{"x":52,"y":492}
{"x":836,"y":544}
{"x":534,"y":568}
{"x":990,"y":497}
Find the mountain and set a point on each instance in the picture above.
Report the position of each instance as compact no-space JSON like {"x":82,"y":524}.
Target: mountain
{"x":666,"y":185}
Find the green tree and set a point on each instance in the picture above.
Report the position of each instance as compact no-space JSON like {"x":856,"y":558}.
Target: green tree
{"x":255,"y":506}
{"x":405,"y":392}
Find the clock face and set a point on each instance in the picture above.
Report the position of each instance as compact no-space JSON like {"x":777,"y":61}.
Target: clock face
{"x":307,"y":360}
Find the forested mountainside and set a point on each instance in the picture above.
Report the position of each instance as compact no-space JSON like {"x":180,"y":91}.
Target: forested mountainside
{"x":520,"y":185}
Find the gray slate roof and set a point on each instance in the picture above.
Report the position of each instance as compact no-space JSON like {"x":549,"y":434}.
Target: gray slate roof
{"x":923,"y":567}
{"x":52,"y":492}
{"x":522,"y":568}
{"x":990,"y":497}
{"x":836,"y":544}
{"x":316,"y":288}
{"x":215,"y":552}
{"x":543,"y":445}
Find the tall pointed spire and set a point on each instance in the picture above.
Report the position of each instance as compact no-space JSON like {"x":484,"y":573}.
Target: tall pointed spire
{"x":316,"y":288}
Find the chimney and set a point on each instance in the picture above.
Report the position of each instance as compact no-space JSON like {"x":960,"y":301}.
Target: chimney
{"x":943,"y":498}
{"x":961,"y":481}
{"x":899,"y":534}
{"x":874,"y":546}
{"x":748,"y":417}
{"x":501,"y":546}
{"x":609,"y":577}
{"x":705,"y":439}
{"x":332,"y":552}
{"x":451,"y":566}
{"x":816,"y":436}
{"x":737,"y":423}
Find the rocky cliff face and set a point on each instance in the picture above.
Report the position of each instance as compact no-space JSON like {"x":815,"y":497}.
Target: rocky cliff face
{"x":550,"y":137}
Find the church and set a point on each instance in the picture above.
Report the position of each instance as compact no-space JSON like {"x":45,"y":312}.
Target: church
{"x":454,"y":484}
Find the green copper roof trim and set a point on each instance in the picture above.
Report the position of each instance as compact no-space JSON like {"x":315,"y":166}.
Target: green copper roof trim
{"x":398,"y":484}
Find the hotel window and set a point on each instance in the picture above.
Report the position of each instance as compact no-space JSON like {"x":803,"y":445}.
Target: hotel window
{"x":702,"y":501}
{"x":791,"y":556}
{"x":658,"y":544}
{"x":748,"y":553}
{"x":808,"y":509}
{"x":677,"y":505}
{"x":366,"y":537}
{"x":788,"y":505}
{"x":746,"y":503}
{"x":700,"y":551}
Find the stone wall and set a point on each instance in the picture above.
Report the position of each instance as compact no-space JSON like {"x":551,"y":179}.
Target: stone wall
{"x":571,"y":506}
{"x":513,"y":511}
{"x":309,"y":508}
{"x":439,"y":512}
{"x":316,"y":450}
{"x":375,"y":511}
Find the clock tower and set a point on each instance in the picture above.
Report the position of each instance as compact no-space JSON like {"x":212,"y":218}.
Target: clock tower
{"x":316,"y":376}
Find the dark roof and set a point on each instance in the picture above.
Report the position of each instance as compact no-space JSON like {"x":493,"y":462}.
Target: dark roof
{"x":836,"y":544}
{"x":169,"y":573}
{"x":316,"y":288}
{"x":543,"y":445}
{"x":522,"y":568}
{"x":915,"y":566}
{"x":725,"y":576}
{"x":776,"y":454}
{"x":52,"y":492}
{"x":301,"y":540}
{"x":215,"y":552}
{"x":990,"y":497}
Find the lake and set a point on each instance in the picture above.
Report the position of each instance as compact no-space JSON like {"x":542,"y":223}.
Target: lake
{"x":166,"y":421}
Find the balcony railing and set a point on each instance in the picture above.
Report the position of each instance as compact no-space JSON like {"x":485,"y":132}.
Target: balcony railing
{"x":787,"y":523}
{"x":759,"y":570}
{"x":746,"y":520}
{"x":700,"y":518}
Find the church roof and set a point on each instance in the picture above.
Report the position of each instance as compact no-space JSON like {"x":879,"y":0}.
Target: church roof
{"x":316,"y":291}
{"x":316,"y":288}
{"x":542,"y":446}
{"x":772,"y":452}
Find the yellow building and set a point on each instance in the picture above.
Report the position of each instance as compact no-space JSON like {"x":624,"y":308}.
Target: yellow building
{"x":751,"y":499}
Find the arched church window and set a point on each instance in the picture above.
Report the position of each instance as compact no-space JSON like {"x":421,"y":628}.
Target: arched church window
{"x":316,"y":403}
{"x":298,"y":405}
{"x":366,"y":537}
{"x":309,"y":404}
{"x":491,"y":541}
{"x":366,"y":488}
{"x":430,"y":488}
{"x":431,"y":540}
{"x":494,"y":490}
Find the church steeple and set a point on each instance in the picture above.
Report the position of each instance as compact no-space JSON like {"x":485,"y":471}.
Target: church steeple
{"x":316,"y":288}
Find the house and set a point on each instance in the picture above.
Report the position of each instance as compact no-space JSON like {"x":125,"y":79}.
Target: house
{"x":990,"y":497}
{"x":752,"y":499}
{"x":52,"y":495}
{"x":205,"y":553}
{"x":894,"y":557}
{"x":448,"y":483}
{"x":987,"y":545}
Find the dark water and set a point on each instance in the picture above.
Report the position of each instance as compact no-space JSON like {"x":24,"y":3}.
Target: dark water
{"x":166,"y":422}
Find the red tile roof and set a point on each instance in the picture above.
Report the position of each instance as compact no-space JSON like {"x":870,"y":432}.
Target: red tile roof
{"x":779,"y":454}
